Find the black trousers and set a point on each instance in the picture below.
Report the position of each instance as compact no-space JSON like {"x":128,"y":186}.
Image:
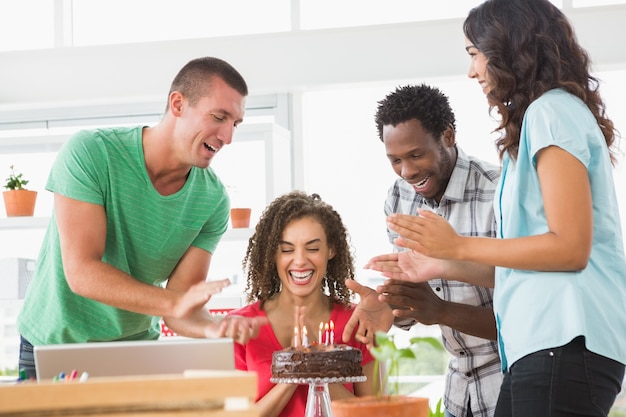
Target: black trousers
{"x":565,"y":381}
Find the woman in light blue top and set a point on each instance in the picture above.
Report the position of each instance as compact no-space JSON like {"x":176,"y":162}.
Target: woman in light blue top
{"x":558,"y":261}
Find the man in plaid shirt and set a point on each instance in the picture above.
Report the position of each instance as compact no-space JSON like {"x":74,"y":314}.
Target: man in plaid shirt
{"x":417,"y":126}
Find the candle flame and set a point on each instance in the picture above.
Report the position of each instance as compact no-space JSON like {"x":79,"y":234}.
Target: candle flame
{"x":332,"y":325}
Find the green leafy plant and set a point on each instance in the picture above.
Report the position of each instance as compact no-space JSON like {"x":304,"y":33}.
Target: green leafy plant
{"x":15,"y":181}
{"x":385,"y":351}
{"x":9,"y":372}
{"x":438,"y":411}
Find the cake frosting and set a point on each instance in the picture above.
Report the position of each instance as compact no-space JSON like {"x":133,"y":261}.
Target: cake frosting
{"x":317,"y":361}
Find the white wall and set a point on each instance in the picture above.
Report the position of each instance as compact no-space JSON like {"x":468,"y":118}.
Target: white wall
{"x":280,"y":62}
{"x":324,"y":70}
{"x":63,"y":82}
{"x":335,"y":77}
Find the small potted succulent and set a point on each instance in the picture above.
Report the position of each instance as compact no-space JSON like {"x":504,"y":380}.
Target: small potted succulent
{"x":18,"y":201}
{"x":387,"y":402}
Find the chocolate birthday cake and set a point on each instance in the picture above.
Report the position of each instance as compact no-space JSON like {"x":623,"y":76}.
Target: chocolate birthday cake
{"x":317,"y":361}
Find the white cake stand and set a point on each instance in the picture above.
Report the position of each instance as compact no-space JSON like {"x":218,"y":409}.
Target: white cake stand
{"x":318,"y":399}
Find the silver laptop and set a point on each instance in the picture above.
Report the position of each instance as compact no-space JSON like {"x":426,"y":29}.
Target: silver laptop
{"x":134,"y":357}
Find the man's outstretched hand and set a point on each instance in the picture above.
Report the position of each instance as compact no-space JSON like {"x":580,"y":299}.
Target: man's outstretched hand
{"x":369,"y":316}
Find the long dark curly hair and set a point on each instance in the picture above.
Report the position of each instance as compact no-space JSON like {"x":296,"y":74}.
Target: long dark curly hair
{"x":260,"y":259}
{"x":531,"y":48}
{"x":422,"y":102}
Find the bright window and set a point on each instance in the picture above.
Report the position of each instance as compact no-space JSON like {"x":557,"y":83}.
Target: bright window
{"x":26,"y":24}
{"x":339,"y":132}
{"x":30,"y":24}
{"x":318,"y":14}
{"x":594,"y":3}
{"x":120,"y":21}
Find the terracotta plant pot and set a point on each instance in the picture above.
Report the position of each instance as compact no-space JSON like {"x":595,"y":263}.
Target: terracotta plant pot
{"x":240,"y":217}
{"x":19,"y":202}
{"x":388,"y":406}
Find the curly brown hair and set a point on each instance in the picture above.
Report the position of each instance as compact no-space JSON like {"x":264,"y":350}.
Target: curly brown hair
{"x":531,"y":48}
{"x":260,"y":259}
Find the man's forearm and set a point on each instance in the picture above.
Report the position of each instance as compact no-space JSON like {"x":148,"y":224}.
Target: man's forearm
{"x":473,"y":320}
{"x":470,"y":272}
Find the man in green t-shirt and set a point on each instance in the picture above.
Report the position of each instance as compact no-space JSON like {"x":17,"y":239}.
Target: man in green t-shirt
{"x":138,"y":213}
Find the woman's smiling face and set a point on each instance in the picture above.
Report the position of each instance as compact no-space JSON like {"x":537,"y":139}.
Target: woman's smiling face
{"x":478,"y":66}
{"x":302,"y":256}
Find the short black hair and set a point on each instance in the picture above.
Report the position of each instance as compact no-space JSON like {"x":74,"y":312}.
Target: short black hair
{"x":422,"y":102}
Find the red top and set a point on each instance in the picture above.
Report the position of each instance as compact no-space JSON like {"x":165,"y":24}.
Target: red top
{"x":256,"y":355}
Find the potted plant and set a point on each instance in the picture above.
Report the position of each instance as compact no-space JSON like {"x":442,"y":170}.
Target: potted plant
{"x":387,"y":402}
{"x":18,"y":201}
{"x":239,"y":214}
{"x":240,"y":217}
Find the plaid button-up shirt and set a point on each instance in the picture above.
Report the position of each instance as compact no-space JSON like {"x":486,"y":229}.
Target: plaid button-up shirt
{"x":474,"y":375}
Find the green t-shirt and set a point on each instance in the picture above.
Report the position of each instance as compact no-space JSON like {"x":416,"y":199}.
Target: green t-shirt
{"x":147,"y":234}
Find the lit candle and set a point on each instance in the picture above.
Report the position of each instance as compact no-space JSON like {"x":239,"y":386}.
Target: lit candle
{"x":319,"y":335}
{"x":332,"y":332}
{"x":326,"y":332}
{"x":296,"y":337}
{"x":305,"y":338}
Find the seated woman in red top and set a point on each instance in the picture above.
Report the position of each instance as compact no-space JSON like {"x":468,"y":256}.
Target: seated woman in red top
{"x":296,"y":264}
